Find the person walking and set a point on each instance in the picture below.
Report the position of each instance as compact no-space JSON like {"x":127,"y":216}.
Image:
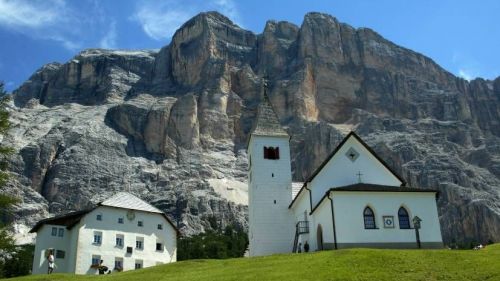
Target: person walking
{"x":50,"y":259}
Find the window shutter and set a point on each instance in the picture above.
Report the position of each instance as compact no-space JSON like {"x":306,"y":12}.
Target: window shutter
{"x":277,"y":153}
{"x":266,"y":152}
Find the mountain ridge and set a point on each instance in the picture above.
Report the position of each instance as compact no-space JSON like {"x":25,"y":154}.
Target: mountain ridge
{"x":171,"y":125}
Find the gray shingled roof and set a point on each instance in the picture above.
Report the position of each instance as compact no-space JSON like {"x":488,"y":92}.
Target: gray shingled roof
{"x":267,"y":123}
{"x":128,"y":201}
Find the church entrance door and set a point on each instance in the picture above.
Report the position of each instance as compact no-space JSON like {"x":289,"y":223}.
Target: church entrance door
{"x":319,"y":237}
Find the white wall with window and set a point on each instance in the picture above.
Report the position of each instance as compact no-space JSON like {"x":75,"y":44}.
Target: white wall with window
{"x":142,"y":239}
{"x":353,"y":230}
{"x":53,"y":238}
{"x":101,"y":234}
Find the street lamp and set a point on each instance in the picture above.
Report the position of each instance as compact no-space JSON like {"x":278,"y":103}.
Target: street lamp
{"x":416,"y":224}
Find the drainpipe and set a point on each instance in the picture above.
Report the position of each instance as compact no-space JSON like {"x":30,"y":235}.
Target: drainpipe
{"x":333,"y":223}
{"x":310,"y":198}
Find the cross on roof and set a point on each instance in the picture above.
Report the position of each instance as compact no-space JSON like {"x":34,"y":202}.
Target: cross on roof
{"x":265,"y":80}
{"x":359,"y":174}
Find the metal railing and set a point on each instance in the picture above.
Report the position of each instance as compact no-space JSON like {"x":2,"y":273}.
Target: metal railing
{"x":302,"y":227}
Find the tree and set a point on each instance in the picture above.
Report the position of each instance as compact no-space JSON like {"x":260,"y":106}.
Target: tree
{"x":214,"y":244}
{"x":7,"y":246}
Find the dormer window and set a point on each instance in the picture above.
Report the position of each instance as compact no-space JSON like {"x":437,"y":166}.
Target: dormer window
{"x":271,"y":153}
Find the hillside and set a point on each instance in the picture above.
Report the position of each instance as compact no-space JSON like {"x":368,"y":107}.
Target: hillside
{"x":171,"y":125}
{"x":353,"y":264}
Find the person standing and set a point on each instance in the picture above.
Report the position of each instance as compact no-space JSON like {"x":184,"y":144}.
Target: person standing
{"x":50,"y":259}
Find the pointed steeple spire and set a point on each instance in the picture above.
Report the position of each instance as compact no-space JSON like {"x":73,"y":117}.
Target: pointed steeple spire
{"x":267,"y":123}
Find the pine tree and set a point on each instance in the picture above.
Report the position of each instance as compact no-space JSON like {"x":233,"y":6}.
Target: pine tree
{"x":6,"y":242}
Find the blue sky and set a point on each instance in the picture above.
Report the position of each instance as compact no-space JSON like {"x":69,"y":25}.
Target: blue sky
{"x":461,"y":36}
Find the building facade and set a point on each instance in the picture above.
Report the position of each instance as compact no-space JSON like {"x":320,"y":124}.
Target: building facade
{"x":124,"y":232}
{"x":354,"y":199}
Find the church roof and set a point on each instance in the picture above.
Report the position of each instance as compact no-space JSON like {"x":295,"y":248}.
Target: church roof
{"x":381,"y":188}
{"x":368,"y":187}
{"x":323,"y":164}
{"x":267,"y":123}
{"x":121,"y":200}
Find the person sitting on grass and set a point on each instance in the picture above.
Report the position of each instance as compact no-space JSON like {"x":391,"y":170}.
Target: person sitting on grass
{"x":102,"y":268}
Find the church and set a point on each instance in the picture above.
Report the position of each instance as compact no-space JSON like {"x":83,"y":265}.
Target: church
{"x":353,"y":199}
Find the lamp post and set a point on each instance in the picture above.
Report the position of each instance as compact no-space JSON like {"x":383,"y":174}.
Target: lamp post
{"x":416,"y":224}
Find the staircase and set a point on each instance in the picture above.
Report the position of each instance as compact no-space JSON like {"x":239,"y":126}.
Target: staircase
{"x":301,"y":227}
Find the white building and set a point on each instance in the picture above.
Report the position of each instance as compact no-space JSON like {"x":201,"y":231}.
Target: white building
{"x":353,"y":199}
{"x":123,"y":231}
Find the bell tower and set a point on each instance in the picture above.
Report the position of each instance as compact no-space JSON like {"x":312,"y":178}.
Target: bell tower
{"x":271,"y":227}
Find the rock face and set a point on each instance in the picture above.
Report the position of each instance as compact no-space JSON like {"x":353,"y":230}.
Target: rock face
{"x":171,"y":125}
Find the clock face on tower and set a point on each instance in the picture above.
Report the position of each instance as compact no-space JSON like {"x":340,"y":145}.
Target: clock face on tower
{"x":130,"y":215}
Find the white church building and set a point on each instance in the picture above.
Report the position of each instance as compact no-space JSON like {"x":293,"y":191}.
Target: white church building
{"x":123,"y":231}
{"x":353,"y":199}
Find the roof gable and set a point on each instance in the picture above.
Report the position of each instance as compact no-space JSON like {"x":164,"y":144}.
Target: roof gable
{"x":352,"y":134}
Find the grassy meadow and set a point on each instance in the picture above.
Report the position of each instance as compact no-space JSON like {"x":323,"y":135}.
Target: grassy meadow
{"x":351,"y":264}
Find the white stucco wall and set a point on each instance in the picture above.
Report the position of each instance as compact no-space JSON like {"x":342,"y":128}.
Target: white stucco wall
{"x":271,"y":222}
{"x":341,"y":171}
{"x":110,"y":227}
{"x":301,"y":206}
{"x":44,"y":241}
{"x":349,"y":206}
{"x":79,"y":247}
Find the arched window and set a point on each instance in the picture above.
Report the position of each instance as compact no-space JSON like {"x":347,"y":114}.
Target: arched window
{"x":369,"y":218}
{"x":404,"y":219}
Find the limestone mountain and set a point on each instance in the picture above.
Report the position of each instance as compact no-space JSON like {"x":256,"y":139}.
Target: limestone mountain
{"x":171,"y":125}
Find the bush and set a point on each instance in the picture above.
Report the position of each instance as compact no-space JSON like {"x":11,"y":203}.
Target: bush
{"x":231,"y":243}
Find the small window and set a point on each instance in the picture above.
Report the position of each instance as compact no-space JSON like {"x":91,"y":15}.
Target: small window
{"x":404,"y":218}
{"x":119,"y":240}
{"x":60,"y":232}
{"x":138,"y":264}
{"x":159,"y":246}
{"x":97,"y":237}
{"x":140,"y":224}
{"x":129,"y":250}
{"x":118,"y":264}
{"x":160,"y":226}
{"x":99,"y":217}
{"x":120,"y":220}
{"x":96,"y":259}
{"x":369,"y":218}
{"x":60,"y":254}
{"x":271,"y":153}
{"x":139,"y":243}
{"x":54,"y":231}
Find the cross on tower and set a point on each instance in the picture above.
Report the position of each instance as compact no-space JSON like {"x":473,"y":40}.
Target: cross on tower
{"x":265,"y":80}
{"x":359,"y":174}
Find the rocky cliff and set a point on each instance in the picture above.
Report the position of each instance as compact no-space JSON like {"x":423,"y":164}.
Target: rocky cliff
{"x":171,"y":125}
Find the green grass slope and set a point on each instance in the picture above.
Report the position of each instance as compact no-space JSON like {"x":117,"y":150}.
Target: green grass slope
{"x":352,"y":264}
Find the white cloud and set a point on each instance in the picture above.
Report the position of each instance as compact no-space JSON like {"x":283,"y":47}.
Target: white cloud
{"x":60,"y":21}
{"x":160,"y":22}
{"x":160,"y":19}
{"x":31,"y":14}
{"x":229,"y":9}
{"x":108,"y":41}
